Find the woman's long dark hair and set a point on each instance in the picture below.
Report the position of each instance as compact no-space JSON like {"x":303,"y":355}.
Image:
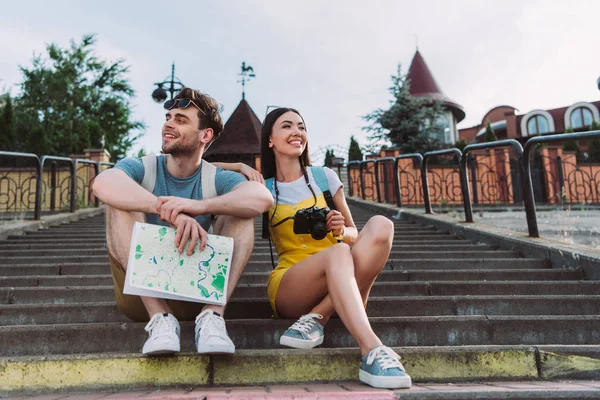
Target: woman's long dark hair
{"x":267,"y":156}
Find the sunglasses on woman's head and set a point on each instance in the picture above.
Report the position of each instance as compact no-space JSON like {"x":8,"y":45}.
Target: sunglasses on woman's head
{"x":179,"y":103}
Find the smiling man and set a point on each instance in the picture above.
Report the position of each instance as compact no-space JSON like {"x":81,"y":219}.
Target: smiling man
{"x":192,"y":124}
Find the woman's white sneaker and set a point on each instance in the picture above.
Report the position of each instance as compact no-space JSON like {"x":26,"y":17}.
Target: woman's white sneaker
{"x":163,"y":331}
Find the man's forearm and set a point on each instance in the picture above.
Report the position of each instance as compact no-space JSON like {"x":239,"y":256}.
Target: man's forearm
{"x":115,"y":188}
{"x":248,"y":199}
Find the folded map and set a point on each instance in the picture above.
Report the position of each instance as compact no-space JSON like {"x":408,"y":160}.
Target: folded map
{"x":156,"y":269}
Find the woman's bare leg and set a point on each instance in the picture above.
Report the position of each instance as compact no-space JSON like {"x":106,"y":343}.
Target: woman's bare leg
{"x":328,"y":273}
{"x":370,"y":252}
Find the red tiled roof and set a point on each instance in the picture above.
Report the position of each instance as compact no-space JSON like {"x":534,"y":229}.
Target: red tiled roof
{"x":241,"y":134}
{"x":422,"y":84}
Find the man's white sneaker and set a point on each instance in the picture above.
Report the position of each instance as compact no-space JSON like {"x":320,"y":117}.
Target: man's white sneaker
{"x":163,"y":330}
{"x":211,"y":334}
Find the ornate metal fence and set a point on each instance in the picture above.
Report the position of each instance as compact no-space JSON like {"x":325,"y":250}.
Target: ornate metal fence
{"x":31,"y":185}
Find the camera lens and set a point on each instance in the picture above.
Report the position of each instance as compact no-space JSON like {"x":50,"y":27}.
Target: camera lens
{"x":319,"y":231}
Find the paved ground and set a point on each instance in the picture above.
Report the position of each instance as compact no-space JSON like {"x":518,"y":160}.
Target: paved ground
{"x":332,"y":391}
{"x":573,"y":225}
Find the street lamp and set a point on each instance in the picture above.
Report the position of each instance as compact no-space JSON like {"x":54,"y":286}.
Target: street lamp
{"x":160,"y":94}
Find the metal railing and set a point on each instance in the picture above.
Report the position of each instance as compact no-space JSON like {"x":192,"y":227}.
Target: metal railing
{"x":462,"y":159}
{"x":426,"y":196}
{"x":463,"y":169}
{"x":13,"y":184}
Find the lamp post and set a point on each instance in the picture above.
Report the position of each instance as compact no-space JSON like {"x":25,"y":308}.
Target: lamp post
{"x":160,"y":94}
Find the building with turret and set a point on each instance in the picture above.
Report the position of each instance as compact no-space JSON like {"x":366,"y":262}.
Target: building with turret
{"x":240,"y":139}
{"x":423,"y":84}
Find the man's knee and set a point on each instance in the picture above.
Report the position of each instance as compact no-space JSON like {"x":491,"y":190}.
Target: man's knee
{"x":228,"y":225}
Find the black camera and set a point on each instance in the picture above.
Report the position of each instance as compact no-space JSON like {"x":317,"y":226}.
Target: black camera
{"x":311,"y":220}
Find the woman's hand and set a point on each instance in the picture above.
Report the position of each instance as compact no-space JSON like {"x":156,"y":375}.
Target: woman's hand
{"x":251,"y":173}
{"x":336,"y":222}
{"x":189,"y":229}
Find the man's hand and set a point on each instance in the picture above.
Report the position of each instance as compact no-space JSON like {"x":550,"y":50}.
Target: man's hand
{"x":169,"y":207}
{"x":251,"y":173}
{"x":188,"y":229}
{"x":335,"y":222}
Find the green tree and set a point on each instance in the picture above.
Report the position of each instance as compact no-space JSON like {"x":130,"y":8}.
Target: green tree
{"x":409,"y":123}
{"x":72,"y":100}
{"x":7,"y":125}
{"x":490,"y":135}
{"x":354,"y":152}
{"x":329,"y":158}
{"x":461,"y":144}
{"x":594,"y":145}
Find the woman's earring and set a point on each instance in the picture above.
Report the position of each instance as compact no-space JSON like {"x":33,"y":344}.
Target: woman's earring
{"x":270,"y":144}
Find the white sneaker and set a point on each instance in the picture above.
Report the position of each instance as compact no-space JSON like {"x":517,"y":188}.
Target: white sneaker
{"x":163,"y":330}
{"x":211,"y":334}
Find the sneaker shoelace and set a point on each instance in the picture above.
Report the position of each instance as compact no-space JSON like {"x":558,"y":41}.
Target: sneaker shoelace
{"x":306,"y":323}
{"x":212,"y":325}
{"x":160,"y":325}
{"x":386,"y":357}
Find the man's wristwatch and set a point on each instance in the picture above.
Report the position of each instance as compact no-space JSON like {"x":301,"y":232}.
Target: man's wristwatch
{"x":342,"y":235}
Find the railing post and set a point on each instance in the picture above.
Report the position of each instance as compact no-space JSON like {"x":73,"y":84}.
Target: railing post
{"x":74,"y":186}
{"x":528,"y":196}
{"x":376,"y":172}
{"x":474,"y":180}
{"x":561,"y":179}
{"x":464,"y":183}
{"x":53,"y":185}
{"x":386,"y":195}
{"x":397,"y":178}
{"x":425,"y":183}
{"x":362,"y":181}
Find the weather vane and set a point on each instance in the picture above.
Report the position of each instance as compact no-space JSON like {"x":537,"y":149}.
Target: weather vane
{"x":246,"y":74}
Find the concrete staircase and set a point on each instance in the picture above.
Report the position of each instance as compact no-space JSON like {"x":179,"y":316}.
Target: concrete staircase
{"x":456,"y":310}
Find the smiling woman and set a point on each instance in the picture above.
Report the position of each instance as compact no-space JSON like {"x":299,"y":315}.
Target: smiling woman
{"x":325,"y":264}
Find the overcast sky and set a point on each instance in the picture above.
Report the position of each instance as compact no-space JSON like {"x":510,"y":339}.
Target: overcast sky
{"x":330,"y":59}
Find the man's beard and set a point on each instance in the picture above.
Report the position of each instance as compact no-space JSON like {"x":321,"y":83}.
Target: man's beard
{"x":179,"y":149}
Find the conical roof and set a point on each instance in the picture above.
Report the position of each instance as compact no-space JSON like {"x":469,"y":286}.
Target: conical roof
{"x":422,"y":84}
{"x":241,"y":134}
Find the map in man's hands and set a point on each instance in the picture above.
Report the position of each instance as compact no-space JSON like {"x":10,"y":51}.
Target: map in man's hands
{"x":156,"y":269}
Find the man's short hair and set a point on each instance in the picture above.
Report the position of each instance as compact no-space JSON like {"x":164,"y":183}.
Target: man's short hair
{"x":209,"y":110}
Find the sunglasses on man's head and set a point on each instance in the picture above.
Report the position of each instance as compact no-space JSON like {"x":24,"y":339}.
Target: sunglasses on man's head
{"x":179,"y":103}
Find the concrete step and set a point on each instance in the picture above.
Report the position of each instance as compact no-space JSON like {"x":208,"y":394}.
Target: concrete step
{"x":52,"y":239}
{"x":5,"y":248}
{"x":432,"y":253}
{"x":56,"y":280}
{"x":264,"y":334}
{"x":53,"y":279}
{"x":43,"y":253}
{"x":16,"y":263}
{"x":92,"y":312}
{"x":87,"y":268}
{"x":433,"y":263}
{"x":60,"y":295}
{"x":546,"y":274}
{"x":511,"y":364}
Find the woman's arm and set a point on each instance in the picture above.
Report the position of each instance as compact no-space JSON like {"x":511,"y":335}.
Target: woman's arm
{"x":340,"y":221}
{"x":250,"y":173}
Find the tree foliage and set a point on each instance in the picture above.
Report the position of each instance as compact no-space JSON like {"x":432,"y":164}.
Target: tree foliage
{"x":490,"y":134}
{"x":329,"y":158}
{"x":409,"y":123}
{"x":71,"y":100}
{"x":354,"y":151}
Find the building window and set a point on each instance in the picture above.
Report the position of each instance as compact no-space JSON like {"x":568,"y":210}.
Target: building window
{"x":442,"y":129}
{"x":581,"y":117}
{"x":537,"y":125}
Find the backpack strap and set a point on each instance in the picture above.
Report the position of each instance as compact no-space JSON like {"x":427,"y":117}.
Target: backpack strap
{"x":207,"y":177}
{"x":318,"y":174}
{"x":149,"y":180}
